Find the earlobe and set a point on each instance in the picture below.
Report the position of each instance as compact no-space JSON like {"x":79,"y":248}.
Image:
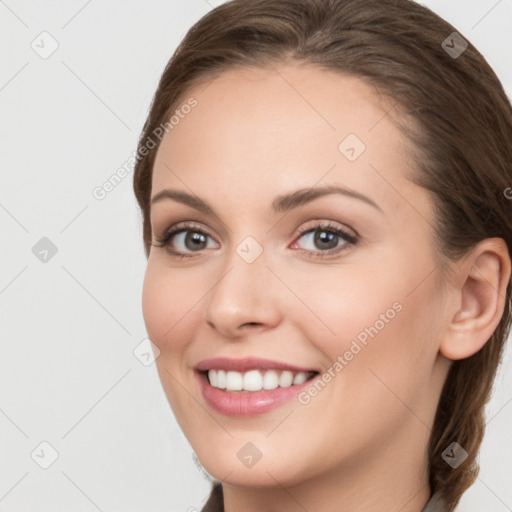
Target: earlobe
{"x":484,"y":279}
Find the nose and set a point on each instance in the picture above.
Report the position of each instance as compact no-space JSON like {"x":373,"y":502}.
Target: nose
{"x":243,"y":300}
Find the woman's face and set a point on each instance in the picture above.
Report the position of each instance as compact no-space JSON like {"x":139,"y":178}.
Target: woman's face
{"x":257,"y":275}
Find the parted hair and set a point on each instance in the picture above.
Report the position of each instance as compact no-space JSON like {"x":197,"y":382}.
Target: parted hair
{"x":449,"y":104}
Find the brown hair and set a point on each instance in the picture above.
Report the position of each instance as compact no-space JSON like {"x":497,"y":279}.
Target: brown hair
{"x":462,"y":137}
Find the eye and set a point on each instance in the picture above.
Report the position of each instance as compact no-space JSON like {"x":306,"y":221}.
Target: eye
{"x":325,"y":239}
{"x":186,"y":236}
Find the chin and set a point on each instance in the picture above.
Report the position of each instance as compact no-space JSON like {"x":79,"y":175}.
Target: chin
{"x":269,"y":470}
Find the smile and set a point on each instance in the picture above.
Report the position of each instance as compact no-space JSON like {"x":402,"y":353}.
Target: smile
{"x":255,"y":380}
{"x":251,"y":385}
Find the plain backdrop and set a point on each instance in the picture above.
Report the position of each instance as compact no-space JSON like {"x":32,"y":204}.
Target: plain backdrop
{"x":74,"y":396}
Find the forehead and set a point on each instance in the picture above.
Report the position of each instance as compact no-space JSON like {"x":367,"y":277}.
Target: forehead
{"x":267,"y":130}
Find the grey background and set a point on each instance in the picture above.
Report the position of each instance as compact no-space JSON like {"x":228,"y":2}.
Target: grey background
{"x":69,"y":326}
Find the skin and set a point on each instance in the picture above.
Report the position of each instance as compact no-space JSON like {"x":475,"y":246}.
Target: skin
{"x":361,"y":443}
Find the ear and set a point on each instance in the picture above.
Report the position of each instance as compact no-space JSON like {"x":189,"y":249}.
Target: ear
{"x":481,"y":297}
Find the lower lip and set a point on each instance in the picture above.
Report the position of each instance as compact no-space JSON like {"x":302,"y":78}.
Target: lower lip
{"x":235,"y":403}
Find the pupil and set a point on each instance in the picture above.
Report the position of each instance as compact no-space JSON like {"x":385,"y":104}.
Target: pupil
{"x":324,"y":237}
{"x":196,"y":238}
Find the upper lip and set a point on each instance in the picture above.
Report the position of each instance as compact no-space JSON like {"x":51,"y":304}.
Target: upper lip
{"x":247,"y":363}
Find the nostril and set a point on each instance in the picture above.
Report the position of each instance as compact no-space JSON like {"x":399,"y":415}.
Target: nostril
{"x":251,"y":324}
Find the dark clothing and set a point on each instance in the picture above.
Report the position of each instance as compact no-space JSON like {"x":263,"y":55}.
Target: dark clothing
{"x":215,"y":502}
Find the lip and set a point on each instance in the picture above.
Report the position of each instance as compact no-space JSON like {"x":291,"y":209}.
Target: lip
{"x":250,"y":403}
{"x":248,"y":363}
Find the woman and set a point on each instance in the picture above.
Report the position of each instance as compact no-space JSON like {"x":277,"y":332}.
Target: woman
{"x":340,"y":168}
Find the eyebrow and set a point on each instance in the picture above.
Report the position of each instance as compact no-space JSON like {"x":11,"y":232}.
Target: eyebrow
{"x":281,"y":204}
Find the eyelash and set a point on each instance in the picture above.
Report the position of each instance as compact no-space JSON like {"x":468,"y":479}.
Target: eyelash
{"x":324,"y":227}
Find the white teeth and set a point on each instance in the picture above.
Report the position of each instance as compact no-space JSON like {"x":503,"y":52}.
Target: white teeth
{"x":286,"y":379}
{"x":254,"y":380}
{"x":300,"y":378}
{"x":214,"y":379}
{"x":234,"y":381}
{"x":270,"y":380}
{"x":221,"y":379}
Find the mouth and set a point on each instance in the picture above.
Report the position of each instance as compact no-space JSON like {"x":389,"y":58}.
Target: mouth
{"x":252,"y":391}
{"x":255,"y":380}
{"x":250,"y":386}
{"x":231,"y":369}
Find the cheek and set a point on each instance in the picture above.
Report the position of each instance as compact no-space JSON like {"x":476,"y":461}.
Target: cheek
{"x":371,"y":319}
{"x":348,"y":304}
{"x":170,"y":310}
{"x":153,"y":300}
{"x":167,"y":307}
{"x":380,"y":350}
